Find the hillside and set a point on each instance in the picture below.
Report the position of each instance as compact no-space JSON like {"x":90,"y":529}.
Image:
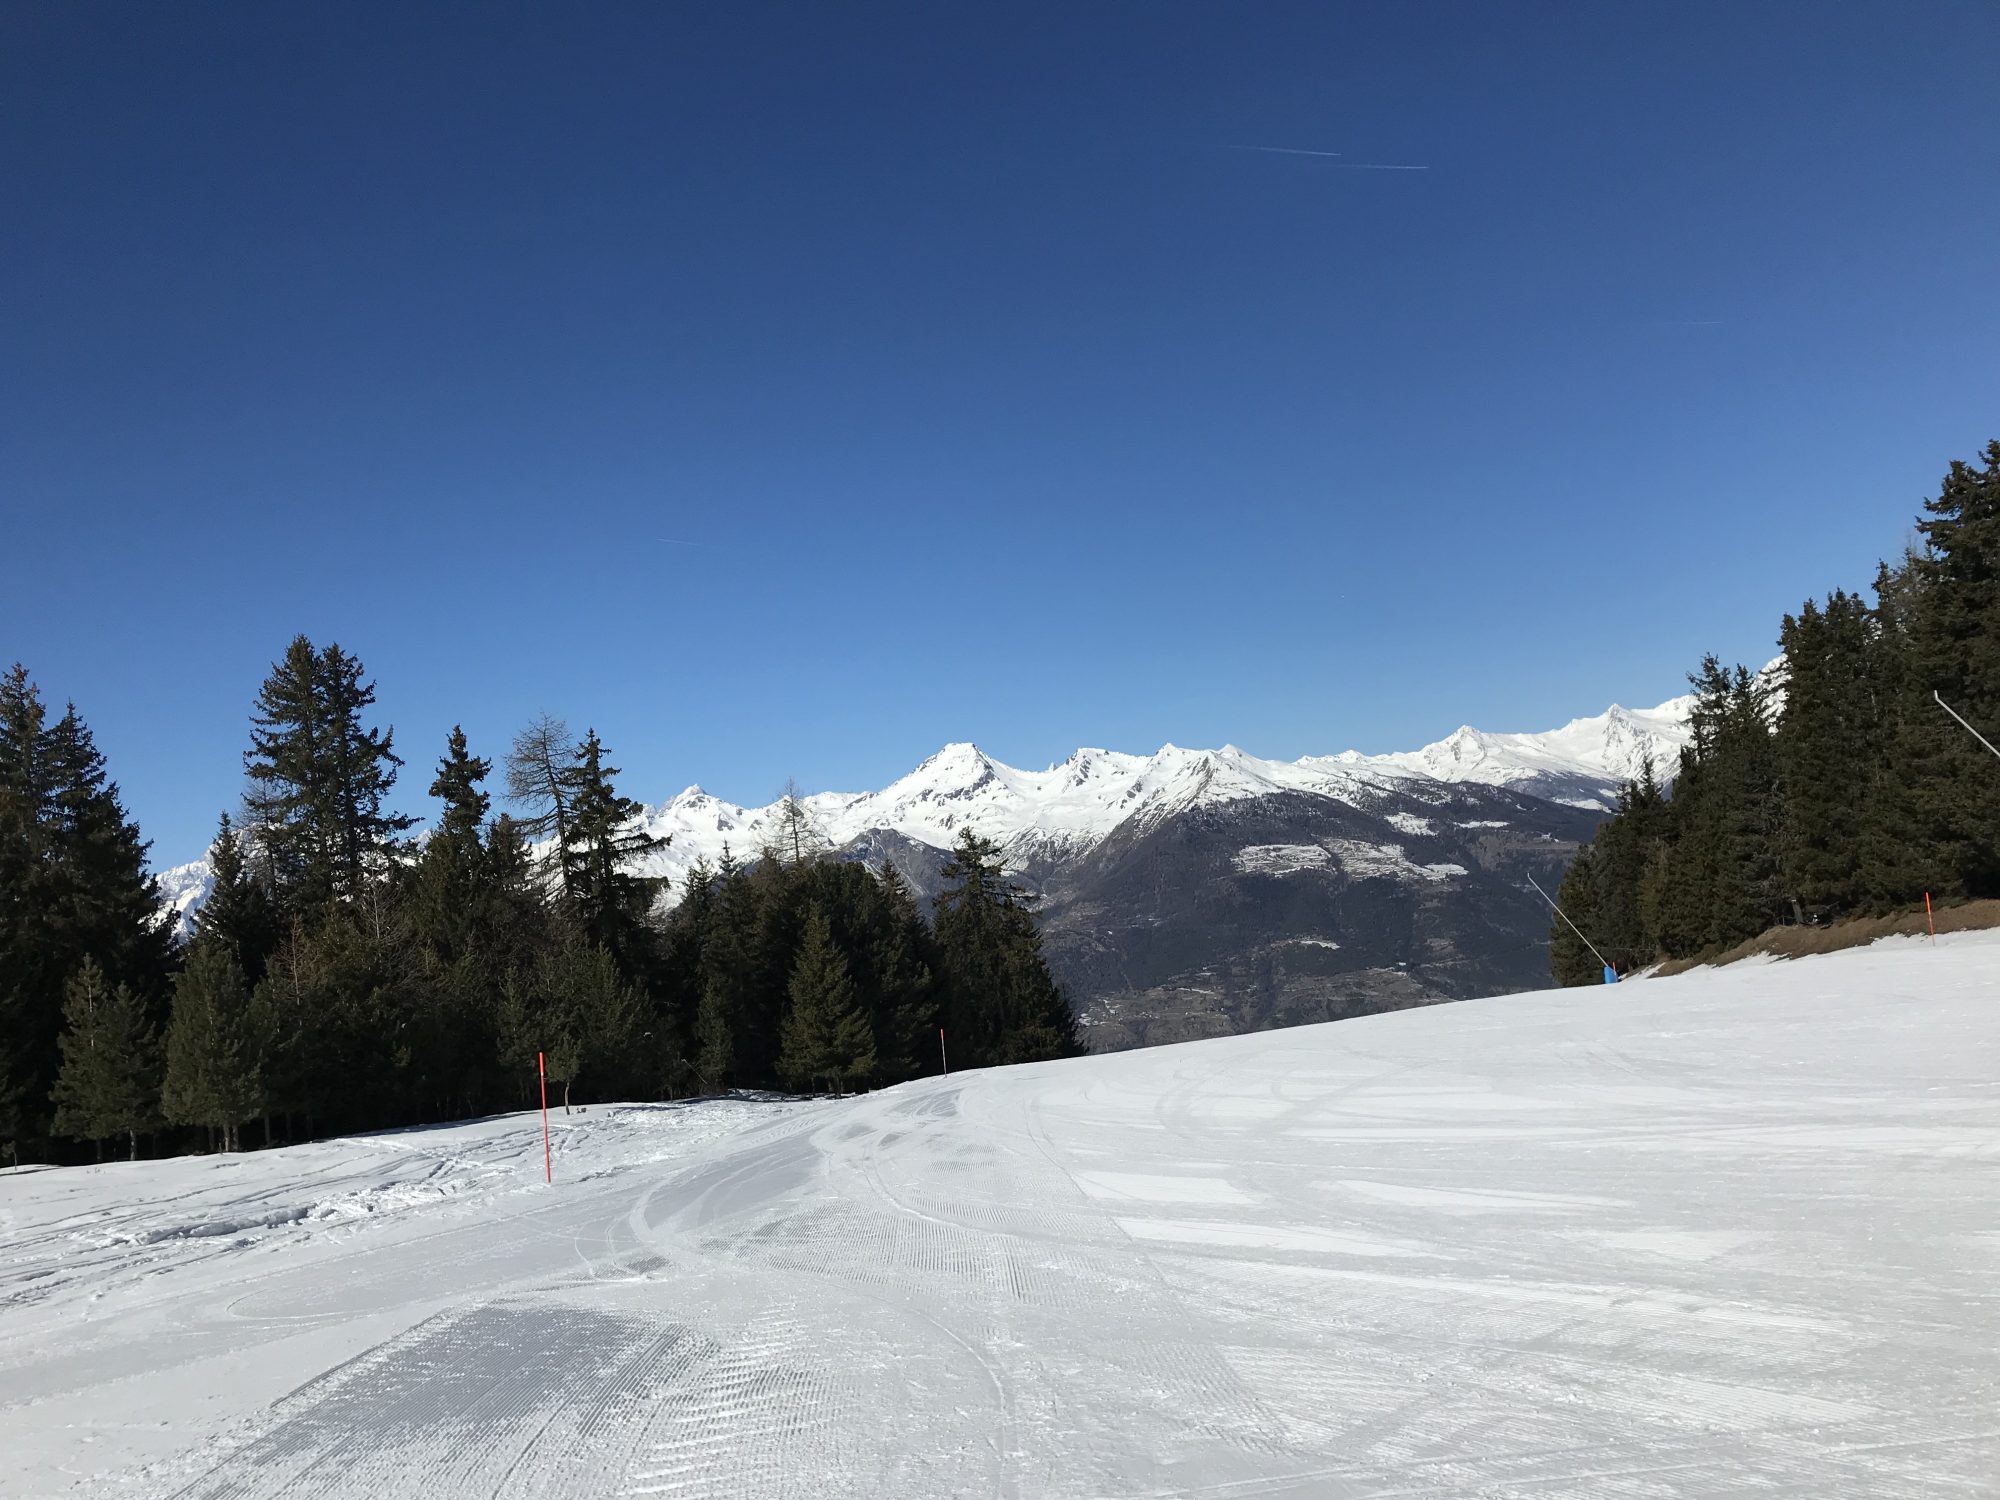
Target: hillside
{"x":1721,"y":1234}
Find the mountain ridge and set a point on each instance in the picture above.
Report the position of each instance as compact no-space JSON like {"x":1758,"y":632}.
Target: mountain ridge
{"x":1079,"y":801}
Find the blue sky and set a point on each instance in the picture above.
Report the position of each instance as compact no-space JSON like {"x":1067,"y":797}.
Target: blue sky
{"x":986,"y":385}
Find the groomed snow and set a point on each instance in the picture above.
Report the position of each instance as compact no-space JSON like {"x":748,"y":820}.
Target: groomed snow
{"x":1728,"y":1234}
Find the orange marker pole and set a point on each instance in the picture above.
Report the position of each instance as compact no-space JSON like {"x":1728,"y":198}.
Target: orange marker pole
{"x":1929,"y":920}
{"x":548,"y":1158}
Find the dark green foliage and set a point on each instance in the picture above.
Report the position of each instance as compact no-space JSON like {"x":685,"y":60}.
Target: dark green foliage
{"x":1858,"y":795}
{"x":451,"y":888}
{"x":827,"y":1039}
{"x":73,"y":888}
{"x":574,"y":1006}
{"x":212,"y":1077}
{"x":1000,"y":1003}
{"x":898,"y":955}
{"x":1570,"y":959}
{"x":1831,"y":744}
{"x":607,"y":898}
{"x":342,"y":979}
{"x":320,"y":778}
{"x":109,"y":1085}
{"x":1954,"y":652}
{"x":238,"y":913}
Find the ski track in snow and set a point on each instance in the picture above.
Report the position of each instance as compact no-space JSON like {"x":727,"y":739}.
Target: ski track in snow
{"x":1733,"y":1233}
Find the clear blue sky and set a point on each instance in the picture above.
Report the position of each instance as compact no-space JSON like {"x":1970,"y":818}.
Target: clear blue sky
{"x":1006,"y":396}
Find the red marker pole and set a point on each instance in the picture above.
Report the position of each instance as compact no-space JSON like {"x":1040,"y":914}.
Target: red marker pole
{"x":548,"y":1158}
{"x":1929,"y":920}
{"x":942,"y":1063}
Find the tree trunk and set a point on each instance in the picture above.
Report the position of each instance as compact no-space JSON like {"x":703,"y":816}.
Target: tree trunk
{"x":135,"y":1145}
{"x":565,"y":1096}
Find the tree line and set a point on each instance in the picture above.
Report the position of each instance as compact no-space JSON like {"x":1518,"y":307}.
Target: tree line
{"x":1837,"y":787}
{"x":343,"y":974}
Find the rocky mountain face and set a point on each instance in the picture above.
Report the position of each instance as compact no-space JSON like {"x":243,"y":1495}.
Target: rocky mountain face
{"x":1196,"y":893}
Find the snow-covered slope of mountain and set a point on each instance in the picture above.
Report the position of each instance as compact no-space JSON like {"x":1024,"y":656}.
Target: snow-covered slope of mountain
{"x":1575,"y":764}
{"x":1073,"y":806}
{"x":183,"y":889}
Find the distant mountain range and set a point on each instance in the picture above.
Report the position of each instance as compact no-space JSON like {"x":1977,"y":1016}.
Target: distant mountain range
{"x":1196,"y":892}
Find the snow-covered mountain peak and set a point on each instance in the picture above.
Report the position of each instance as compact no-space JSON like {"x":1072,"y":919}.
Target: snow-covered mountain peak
{"x":1081,"y":800}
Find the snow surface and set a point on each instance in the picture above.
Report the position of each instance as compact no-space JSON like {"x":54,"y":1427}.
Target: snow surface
{"x":1732,"y":1233}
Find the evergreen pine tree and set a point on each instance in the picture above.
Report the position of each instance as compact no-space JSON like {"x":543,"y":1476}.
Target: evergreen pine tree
{"x":110,"y":1079}
{"x":906,"y":1010}
{"x":30,"y":956}
{"x":1570,"y":960}
{"x":827,"y":1039}
{"x":1898,"y":854}
{"x":211,"y":1067}
{"x":238,"y":912}
{"x":1001,"y":1004}
{"x":576,"y":1008}
{"x":73,"y":886}
{"x":1955,"y":654}
{"x":452,"y":881}
{"x":1830,"y":737}
{"x":1715,"y":879}
{"x":319,"y":777}
{"x":607,"y":899}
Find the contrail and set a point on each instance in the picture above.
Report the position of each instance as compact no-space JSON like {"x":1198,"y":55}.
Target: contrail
{"x":1352,"y":166}
{"x":1283,"y":150}
{"x":675,"y":541}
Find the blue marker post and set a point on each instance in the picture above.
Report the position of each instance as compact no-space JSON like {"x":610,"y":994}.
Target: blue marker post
{"x":1610,"y":974}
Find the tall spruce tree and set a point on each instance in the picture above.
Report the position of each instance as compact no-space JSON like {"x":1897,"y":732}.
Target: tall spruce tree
{"x":452,"y":882}
{"x":109,"y":1085}
{"x":827,"y":1039}
{"x":1579,"y":896}
{"x":608,"y":899}
{"x":319,"y":777}
{"x":1955,"y":654}
{"x":1898,"y":854}
{"x":1716,"y":880}
{"x":574,"y":1007}
{"x":1830,"y":738}
{"x":1001,"y":1004}
{"x":238,"y":912}
{"x":212,"y":1067}
{"x":905,"y":989}
{"x":73,"y":886}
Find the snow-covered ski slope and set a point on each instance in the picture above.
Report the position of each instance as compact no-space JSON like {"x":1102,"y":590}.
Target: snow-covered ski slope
{"x":1736,"y":1233}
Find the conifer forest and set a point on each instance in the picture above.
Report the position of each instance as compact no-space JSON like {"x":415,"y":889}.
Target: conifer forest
{"x":1839,"y":785}
{"x":346,"y":974}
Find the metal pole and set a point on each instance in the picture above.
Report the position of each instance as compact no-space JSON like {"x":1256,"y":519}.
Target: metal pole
{"x":1968,"y":728}
{"x":1572,"y":926}
{"x":942,"y":1062}
{"x":548,"y":1160}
